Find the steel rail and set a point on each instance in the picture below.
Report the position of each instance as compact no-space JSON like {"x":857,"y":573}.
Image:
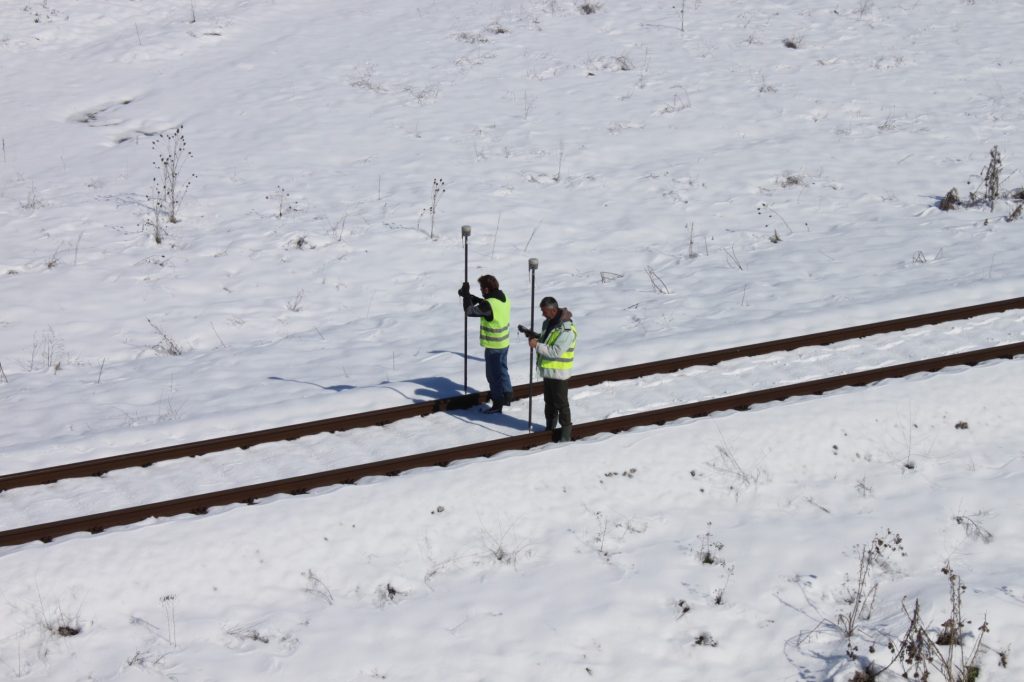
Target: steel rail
{"x":102,"y":465}
{"x":199,"y":504}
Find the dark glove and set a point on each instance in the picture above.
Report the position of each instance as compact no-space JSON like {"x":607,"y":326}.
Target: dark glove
{"x":529,"y":334}
{"x":464,"y":290}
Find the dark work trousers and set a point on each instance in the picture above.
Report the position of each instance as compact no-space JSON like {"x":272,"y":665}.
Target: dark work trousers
{"x":498,"y":381}
{"x":556,"y":405}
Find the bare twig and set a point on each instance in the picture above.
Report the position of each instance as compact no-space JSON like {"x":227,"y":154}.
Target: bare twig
{"x":171,"y":184}
{"x":527,"y":104}
{"x":874,"y":558}
{"x":295,"y":305}
{"x":658,"y":284}
{"x":763,"y":206}
{"x":990,"y":179}
{"x":167,"y":601}
{"x":435,"y":198}
{"x":972,"y":528}
{"x":317,"y":587}
{"x":494,"y":242}
{"x":531,"y":236}
{"x":730,"y":255}
{"x":222,"y":344}
{"x":167,"y":345}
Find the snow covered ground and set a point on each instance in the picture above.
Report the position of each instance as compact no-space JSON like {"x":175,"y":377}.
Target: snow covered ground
{"x":689,"y":180}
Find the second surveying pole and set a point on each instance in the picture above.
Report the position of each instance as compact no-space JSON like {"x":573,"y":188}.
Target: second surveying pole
{"x":466,"y":229}
{"x":533,"y":277}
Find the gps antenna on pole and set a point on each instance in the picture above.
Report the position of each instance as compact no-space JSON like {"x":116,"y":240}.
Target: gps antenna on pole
{"x":466,"y":230}
{"x":533,"y":262}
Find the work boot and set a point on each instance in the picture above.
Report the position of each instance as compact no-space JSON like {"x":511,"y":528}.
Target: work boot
{"x":566,"y":435}
{"x":494,"y":409}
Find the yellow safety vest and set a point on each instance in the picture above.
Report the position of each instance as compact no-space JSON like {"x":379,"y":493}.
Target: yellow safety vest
{"x":564,"y":361}
{"x":494,"y":334}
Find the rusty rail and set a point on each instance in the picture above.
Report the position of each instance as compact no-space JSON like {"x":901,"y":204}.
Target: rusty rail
{"x":199,"y":504}
{"x":99,"y":466}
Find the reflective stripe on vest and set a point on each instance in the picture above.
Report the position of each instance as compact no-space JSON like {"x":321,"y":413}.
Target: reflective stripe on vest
{"x":494,"y":334}
{"x":564,"y":361}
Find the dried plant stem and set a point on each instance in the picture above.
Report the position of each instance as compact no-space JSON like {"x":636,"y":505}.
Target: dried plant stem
{"x":494,"y":242}
{"x":656,"y":281}
{"x":531,"y":237}
{"x":730,"y":255}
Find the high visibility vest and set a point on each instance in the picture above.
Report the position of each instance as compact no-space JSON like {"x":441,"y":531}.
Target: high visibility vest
{"x":564,"y":361}
{"x":494,"y":334}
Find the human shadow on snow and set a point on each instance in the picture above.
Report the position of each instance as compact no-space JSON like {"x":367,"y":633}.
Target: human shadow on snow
{"x":439,"y":388}
{"x":433,"y":388}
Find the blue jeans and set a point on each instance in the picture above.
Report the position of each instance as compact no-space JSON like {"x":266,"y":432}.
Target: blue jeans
{"x":496,"y":367}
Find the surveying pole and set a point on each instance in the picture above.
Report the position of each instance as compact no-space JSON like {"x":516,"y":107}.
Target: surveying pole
{"x":533,"y":277}
{"x":466,"y":229}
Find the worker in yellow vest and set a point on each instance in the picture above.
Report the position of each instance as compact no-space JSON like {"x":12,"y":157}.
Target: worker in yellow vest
{"x":495,"y":313}
{"x":556,"y":348}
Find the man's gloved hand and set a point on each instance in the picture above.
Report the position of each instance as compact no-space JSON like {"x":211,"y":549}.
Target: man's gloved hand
{"x":529,"y":334}
{"x":464,"y":290}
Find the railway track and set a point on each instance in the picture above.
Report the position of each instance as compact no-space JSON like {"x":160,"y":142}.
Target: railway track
{"x":299,"y":484}
{"x":100,"y":466}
